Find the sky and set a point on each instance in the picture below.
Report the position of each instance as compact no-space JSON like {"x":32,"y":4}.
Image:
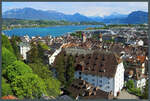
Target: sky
{"x":86,"y":8}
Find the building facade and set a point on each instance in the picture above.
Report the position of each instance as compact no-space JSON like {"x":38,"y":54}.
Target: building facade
{"x":103,"y":77}
{"x":24,"y":48}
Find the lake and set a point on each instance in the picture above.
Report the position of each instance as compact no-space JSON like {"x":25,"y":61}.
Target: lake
{"x":53,"y":31}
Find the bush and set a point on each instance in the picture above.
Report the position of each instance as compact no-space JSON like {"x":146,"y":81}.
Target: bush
{"x":7,"y":57}
{"x":52,"y":84}
{"x":6,"y":88}
{"x":16,"y":69}
{"x":53,"y":87}
{"x":28,"y":86}
{"x":6,"y":43}
{"x":131,"y":88}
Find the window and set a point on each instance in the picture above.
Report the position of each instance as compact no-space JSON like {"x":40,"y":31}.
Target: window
{"x":86,"y":79}
{"x":79,"y":73}
{"x":100,"y":85}
{"x":108,"y":82}
{"x":100,"y":81}
{"x":93,"y":79}
{"x":93,"y":84}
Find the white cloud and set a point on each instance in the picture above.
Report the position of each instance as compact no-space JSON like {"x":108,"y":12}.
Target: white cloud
{"x":85,"y":8}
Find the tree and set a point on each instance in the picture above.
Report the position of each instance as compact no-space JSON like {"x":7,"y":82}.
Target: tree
{"x":53,"y":86}
{"x":131,"y":88}
{"x":70,"y":70}
{"x":41,"y":70}
{"x":14,"y":40}
{"x":15,"y":69}
{"x":6,"y":43}
{"x":8,"y":57}
{"x":33,"y":55}
{"x":42,"y":47}
{"x":28,"y":86}
{"x":6,"y":88}
{"x":60,"y":68}
{"x":130,"y":84}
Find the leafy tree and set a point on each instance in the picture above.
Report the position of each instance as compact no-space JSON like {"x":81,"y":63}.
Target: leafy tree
{"x":70,"y":70}
{"x":33,"y":55}
{"x":6,"y":43}
{"x":60,"y":68}
{"x":28,"y":86}
{"x":42,"y":47}
{"x":53,"y":86}
{"x":6,"y":88}
{"x":16,"y":69}
{"x":130,"y":84}
{"x":14,"y":40}
{"x":41,"y":70}
{"x":131,"y":88}
{"x":8,"y":57}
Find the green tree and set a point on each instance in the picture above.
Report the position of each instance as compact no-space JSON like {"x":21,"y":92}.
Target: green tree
{"x":60,"y":68}
{"x":6,"y":43}
{"x":14,"y":40}
{"x":15,"y":69}
{"x":6,"y":88}
{"x":8,"y":57}
{"x":33,"y":55}
{"x":53,"y":86}
{"x":41,"y":70}
{"x":70,"y":70}
{"x":130,"y":84}
{"x":28,"y":86}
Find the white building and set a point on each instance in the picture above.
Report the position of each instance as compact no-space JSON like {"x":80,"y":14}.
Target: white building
{"x":109,"y":77}
{"x":140,"y":43}
{"x":54,"y":53}
{"x":24,"y":48}
{"x":139,"y":83}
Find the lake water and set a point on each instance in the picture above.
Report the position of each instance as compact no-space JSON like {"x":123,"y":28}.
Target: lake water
{"x":53,"y":31}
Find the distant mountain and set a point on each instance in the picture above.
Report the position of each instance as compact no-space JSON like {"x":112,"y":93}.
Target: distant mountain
{"x":33,"y":14}
{"x":96,"y":18}
{"x":136,"y":17}
{"x":115,"y":15}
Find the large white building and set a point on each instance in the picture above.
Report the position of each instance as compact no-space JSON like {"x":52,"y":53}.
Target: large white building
{"x":24,"y":48}
{"x":55,"y":50}
{"x":103,"y":70}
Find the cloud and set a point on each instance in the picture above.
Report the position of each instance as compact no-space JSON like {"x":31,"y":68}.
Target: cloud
{"x":85,"y":8}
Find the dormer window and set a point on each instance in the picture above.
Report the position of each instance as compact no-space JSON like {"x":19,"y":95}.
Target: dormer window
{"x":103,"y":59}
{"x":102,"y":70}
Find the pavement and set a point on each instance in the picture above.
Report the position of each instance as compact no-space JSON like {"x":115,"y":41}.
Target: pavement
{"x":125,"y":95}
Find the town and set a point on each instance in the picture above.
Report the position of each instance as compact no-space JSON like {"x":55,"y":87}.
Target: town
{"x":103,"y":63}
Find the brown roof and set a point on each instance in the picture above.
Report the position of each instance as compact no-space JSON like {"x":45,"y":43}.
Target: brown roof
{"x":79,"y":88}
{"x":98,"y":63}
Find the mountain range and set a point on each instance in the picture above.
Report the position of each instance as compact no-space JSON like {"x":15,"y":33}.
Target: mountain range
{"x":136,"y":17}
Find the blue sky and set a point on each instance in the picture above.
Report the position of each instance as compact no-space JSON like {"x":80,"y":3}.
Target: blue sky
{"x":85,"y":8}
